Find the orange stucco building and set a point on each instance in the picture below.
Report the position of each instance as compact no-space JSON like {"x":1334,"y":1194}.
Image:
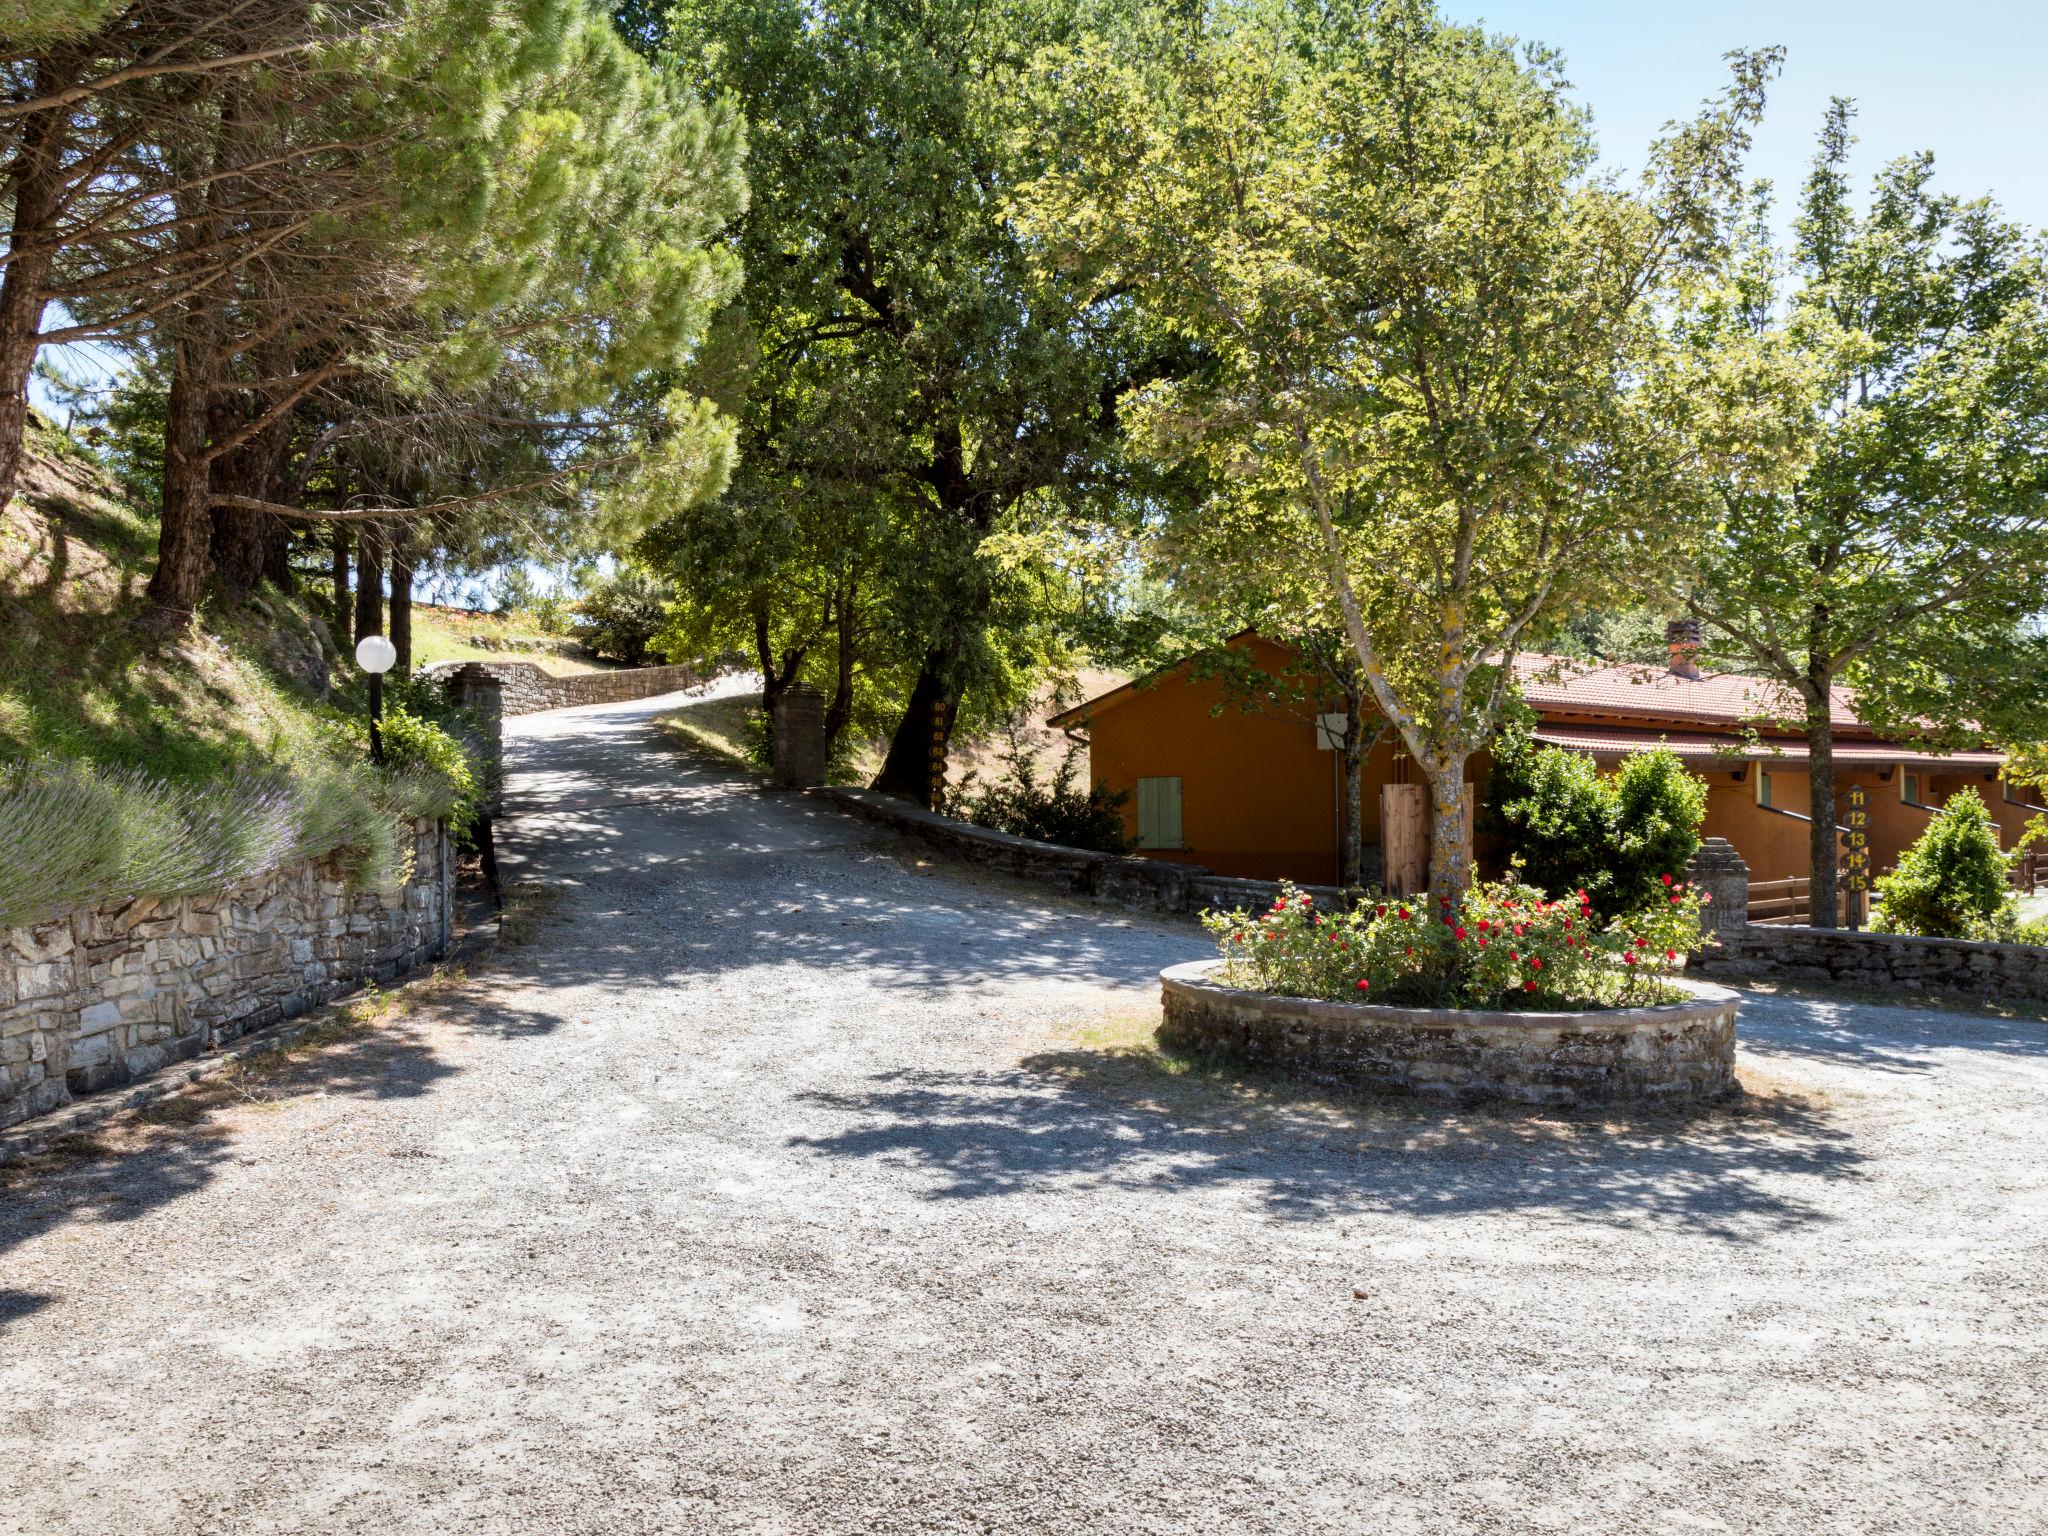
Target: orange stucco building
{"x":1259,"y":794}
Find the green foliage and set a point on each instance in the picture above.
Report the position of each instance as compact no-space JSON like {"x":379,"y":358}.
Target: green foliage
{"x":1573,"y":828}
{"x":1056,"y":810}
{"x":1954,"y":883}
{"x":433,"y":768}
{"x":1879,"y":390}
{"x":619,"y":615}
{"x":1507,"y":946}
{"x":908,"y":383}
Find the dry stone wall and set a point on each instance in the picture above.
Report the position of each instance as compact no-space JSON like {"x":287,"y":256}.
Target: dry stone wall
{"x":527,"y":689}
{"x":1883,"y":962}
{"x":97,"y":998}
{"x":1875,"y":962}
{"x":1671,"y":1053}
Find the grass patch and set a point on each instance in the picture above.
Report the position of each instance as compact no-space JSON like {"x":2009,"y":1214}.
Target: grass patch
{"x":727,"y":728}
{"x":528,"y":906}
{"x":464,"y":634}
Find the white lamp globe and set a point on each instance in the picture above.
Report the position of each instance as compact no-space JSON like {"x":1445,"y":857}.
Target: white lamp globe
{"x":376,"y":654}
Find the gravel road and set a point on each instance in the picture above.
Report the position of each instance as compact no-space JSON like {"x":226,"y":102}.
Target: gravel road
{"x":789,"y":1184}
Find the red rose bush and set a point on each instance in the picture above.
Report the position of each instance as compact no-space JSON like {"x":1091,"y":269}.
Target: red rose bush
{"x":1507,"y":945}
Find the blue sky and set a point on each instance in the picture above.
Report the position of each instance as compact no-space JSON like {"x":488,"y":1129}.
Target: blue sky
{"x":1967,"y":79}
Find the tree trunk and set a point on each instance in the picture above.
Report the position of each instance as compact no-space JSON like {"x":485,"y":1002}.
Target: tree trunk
{"x":342,"y":608}
{"x":369,"y":582}
{"x":1820,"y":746}
{"x":185,"y":533}
{"x":1450,"y":868}
{"x":922,"y":736}
{"x":32,"y":196}
{"x":401,"y":602}
{"x":840,"y":709}
{"x":1351,"y":851}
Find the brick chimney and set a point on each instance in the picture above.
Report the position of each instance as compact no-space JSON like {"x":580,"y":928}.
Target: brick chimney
{"x":1683,"y":636}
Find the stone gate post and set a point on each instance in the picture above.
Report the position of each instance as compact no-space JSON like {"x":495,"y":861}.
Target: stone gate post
{"x":800,"y":737}
{"x":1718,"y":870}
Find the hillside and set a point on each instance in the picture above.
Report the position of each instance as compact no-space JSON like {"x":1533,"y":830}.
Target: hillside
{"x":131,"y":766}
{"x":77,"y":680}
{"x":471,"y":634}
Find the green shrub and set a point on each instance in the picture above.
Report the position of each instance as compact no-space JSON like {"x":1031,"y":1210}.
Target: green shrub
{"x":431,"y":772}
{"x":1056,"y":811}
{"x":620,"y":614}
{"x":1576,"y":829}
{"x":1954,"y":883}
{"x":1509,"y":946}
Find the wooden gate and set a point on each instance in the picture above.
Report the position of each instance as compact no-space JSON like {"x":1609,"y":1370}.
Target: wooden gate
{"x":1404,"y":835}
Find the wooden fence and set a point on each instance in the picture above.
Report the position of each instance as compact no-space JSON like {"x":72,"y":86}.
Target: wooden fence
{"x":2030,"y":870}
{"x":1786,"y":902}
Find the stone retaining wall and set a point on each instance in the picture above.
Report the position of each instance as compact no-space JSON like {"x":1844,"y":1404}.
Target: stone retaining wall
{"x":97,"y":998}
{"x":1877,"y":962}
{"x":527,"y":689}
{"x":1881,"y":962}
{"x":1673,"y":1053}
{"x":1154,"y":884}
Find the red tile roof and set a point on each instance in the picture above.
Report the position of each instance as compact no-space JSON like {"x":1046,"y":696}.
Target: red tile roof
{"x":1617,"y":741}
{"x":1553,"y":683}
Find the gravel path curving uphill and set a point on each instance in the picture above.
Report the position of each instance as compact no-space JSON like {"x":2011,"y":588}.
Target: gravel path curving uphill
{"x":789,"y":1184}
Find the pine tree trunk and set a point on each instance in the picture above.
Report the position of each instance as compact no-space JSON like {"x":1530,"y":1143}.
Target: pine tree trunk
{"x":185,"y":533}
{"x":369,"y":582}
{"x":1450,"y":870}
{"x":401,"y":602}
{"x":1823,"y":850}
{"x":32,"y":196}
{"x":927,"y":723}
{"x":342,"y":608}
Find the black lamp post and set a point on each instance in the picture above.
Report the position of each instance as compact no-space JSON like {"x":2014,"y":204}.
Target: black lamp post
{"x":376,"y":656}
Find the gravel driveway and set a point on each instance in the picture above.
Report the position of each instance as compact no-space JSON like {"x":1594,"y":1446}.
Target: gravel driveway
{"x":787,"y":1184}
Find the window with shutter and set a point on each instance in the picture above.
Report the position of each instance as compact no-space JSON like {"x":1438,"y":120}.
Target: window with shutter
{"x":1159,"y":813}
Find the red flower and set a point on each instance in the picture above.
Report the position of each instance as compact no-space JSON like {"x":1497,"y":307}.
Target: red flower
{"x":1667,"y":879}
{"x":1674,"y":898}
{"x":1670,"y":954}
{"x":1307,"y":902}
{"x":1364,"y":985}
{"x":1482,"y":941}
{"x":1535,"y":962}
{"x":1528,"y":986}
{"x":1484,"y":925}
{"x":1459,"y":931}
{"x":1514,"y":954}
{"x":1411,"y":949}
{"x":1628,"y":957}
{"x":1380,"y":910}
{"x":1271,"y":935}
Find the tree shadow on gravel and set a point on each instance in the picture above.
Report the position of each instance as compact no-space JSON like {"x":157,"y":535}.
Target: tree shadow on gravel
{"x":1878,"y":1035}
{"x":147,"y":1157}
{"x":1137,"y":1119}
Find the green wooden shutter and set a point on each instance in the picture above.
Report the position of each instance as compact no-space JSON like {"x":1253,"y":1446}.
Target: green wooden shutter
{"x":1159,"y":813}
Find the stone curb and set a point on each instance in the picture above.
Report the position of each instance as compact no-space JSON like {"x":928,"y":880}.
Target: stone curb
{"x":1666,"y":1053}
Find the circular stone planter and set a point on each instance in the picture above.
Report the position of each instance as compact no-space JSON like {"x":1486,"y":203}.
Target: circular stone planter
{"x":1670,"y":1053}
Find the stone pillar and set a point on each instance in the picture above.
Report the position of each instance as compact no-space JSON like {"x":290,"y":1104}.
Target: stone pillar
{"x":1718,"y":870}
{"x":800,"y":737}
{"x":472,"y":687}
